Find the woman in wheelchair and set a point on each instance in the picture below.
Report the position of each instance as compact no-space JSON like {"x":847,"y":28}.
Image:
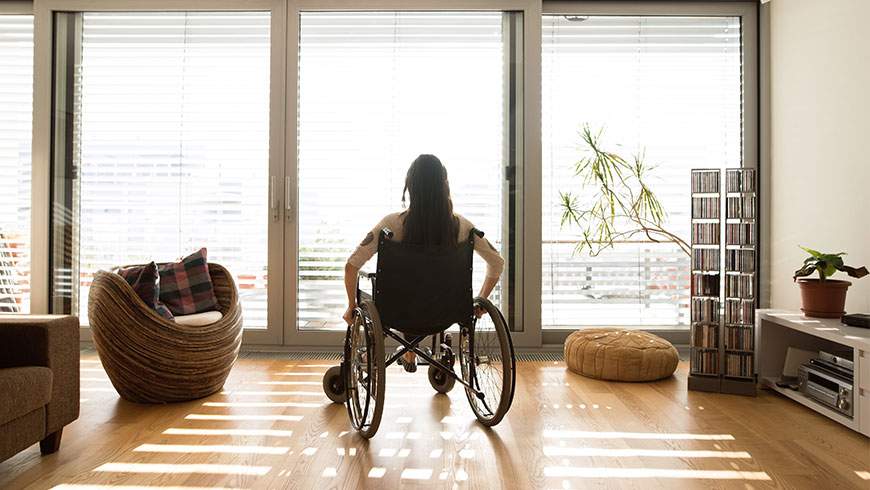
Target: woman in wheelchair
{"x":421,"y":288}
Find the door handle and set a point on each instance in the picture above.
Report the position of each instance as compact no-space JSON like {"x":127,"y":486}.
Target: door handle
{"x":288,"y":199}
{"x":273,"y":198}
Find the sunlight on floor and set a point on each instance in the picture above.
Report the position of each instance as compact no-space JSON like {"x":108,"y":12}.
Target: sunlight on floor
{"x":205,"y":448}
{"x":654,"y":453}
{"x":317,"y":394}
{"x":242,"y":417}
{"x":578,"y":472}
{"x":416,"y":474}
{"x":291,"y":383}
{"x":217,"y":469}
{"x":262,"y":404}
{"x":578,"y":434}
{"x":75,"y":486}
{"x":176,"y":431}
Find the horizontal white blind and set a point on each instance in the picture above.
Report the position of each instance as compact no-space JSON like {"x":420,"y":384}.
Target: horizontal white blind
{"x":669,"y":85}
{"x":376,"y":89}
{"x":16,"y":97}
{"x":174,"y":142}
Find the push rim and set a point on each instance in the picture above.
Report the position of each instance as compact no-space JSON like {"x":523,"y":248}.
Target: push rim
{"x":486,"y":362}
{"x":364,"y":352}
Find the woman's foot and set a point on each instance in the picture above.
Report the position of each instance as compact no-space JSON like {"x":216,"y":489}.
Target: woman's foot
{"x":409,"y":361}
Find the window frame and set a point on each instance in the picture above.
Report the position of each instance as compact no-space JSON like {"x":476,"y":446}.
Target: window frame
{"x":41,"y":222}
{"x":748,"y":13}
{"x":282,"y":332}
{"x":16,"y":7}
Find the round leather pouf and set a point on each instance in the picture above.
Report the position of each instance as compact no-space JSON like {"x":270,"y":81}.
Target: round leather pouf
{"x":615,"y":354}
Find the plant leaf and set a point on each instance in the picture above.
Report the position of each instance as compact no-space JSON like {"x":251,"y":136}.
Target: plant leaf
{"x":854,"y":272}
{"x":814,"y":253}
{"x":804,"y":271}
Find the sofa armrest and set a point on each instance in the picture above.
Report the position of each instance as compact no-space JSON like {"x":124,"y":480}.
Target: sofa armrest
{"x":51,"y":341}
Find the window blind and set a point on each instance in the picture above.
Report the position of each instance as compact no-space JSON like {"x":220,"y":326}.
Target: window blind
{"x":671,"y":86}
{"x":174,"y":144}
{"x":16,"y":98}
{"x":376,"y":89}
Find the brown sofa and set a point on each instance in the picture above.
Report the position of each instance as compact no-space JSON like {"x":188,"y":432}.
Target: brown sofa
{"x":39,"y":380}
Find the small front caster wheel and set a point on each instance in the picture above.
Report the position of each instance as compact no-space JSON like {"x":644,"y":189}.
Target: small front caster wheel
{"x":333,"y":385}
{"x":440,"y":381}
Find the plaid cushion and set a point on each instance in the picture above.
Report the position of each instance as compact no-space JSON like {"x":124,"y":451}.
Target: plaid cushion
{"x":185,"y":286}
{"x":144,"y":280}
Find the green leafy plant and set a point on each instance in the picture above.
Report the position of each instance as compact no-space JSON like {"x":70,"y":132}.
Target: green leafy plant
{"x":616,"y":203}
{"x":826,"y":265}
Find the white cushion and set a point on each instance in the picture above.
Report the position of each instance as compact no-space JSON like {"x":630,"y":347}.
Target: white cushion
{"x":198,"y":319}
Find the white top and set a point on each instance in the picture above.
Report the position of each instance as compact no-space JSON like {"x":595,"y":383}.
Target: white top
{"x":395,"y":223}
{"x":827,"y":328}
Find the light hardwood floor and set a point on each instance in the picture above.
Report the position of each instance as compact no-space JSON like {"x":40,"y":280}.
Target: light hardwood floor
{"x":274,"y":428}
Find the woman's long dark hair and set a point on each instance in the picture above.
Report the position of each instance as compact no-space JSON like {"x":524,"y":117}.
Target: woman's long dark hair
{"x":429,"y":220}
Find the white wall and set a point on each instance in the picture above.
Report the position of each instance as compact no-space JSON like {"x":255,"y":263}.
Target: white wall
{"x":820,"y":140}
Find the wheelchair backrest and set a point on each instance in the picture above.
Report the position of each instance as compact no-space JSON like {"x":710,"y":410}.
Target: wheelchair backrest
{"x":420,"y":291}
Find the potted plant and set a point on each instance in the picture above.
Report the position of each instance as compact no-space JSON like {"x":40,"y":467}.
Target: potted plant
{"x":823,"y":297}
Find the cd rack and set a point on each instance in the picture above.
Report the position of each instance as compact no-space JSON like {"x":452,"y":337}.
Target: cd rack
{"x":706,"y":276}
{"x":724,"y":282}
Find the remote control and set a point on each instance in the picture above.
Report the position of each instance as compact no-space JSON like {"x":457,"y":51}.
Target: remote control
{"x":861,"y":320}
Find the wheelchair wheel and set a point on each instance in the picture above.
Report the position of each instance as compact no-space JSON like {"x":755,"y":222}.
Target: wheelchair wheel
{"x":333,"y":385}
{"x":365,"y":373}
{"x":486,"y":358}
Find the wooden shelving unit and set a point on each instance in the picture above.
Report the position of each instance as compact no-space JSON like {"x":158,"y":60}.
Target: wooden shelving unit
{"x":724,"y":280}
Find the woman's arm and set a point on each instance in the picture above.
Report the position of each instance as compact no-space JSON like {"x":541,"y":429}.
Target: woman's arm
{"x":494,"y":268}
{"x":364,"y":251}
{"x":350,"y":284}
{"x":494,"y":264}
{"x":487,"y":286}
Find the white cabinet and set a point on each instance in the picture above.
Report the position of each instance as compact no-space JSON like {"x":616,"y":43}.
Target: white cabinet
{"x":777,"y":330}
{"x":862,"y":381}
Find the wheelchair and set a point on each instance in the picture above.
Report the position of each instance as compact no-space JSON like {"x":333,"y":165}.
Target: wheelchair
{"x":416,"y":294}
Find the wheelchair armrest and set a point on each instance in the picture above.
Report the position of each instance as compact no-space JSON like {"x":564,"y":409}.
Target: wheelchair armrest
{"x":361,"y":276}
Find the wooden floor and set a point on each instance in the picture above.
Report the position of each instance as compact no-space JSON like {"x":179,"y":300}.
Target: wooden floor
{"x":274,"y":428}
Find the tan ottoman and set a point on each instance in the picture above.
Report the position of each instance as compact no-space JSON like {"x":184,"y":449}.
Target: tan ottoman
{"x":620,"y":355}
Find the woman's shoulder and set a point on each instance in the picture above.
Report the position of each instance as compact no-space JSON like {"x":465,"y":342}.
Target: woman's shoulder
{"x":462,"y":219}
{"x":393,"y":220}
{"x":465,"y":225}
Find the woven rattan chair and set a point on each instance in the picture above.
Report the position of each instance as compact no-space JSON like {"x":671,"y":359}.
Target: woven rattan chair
{"x":150,"y":359}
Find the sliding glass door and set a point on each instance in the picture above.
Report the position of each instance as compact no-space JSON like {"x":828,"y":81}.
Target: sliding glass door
{"x":16,"y":96}
{"x":662,"y":90}
{"x":174,"y":142}
{"x":375,"y":90}
{"x":166,"y":150}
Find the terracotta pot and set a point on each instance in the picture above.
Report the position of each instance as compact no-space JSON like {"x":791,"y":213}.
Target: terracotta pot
{"x":823,"y":299}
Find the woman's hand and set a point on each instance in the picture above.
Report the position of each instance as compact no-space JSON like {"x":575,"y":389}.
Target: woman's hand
{"x":348,"y":315}
{"x":479,"y":311}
